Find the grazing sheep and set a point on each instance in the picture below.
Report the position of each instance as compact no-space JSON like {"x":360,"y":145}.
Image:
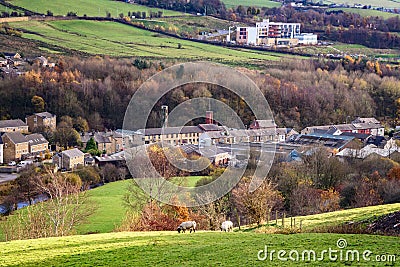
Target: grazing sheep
{"x":227,"y":226}
{"x":187,"y":225}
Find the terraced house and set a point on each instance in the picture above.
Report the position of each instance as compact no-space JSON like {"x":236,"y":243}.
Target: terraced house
{"x":15,"y":146}
{"x":37,"y":144}
{"x":7,"y":126}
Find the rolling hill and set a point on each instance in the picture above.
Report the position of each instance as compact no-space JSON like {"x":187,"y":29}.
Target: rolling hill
{"x":115,"y":39}
{"x":375,"y":3}
{"x":98,"y":8}
{"x":257,"y":3}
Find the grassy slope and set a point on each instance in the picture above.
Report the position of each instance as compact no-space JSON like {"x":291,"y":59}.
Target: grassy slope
{"x":7,"y":9}
{"x":90,"y":8}
{"x":376,"y":3}
{"x":318,"y":221}
{"x":338,"y":217}
{"x":116,"y":39}
{"x":173,"y":249}
{"x":110,"y":211}
{"x":366,"y":12}
{"x":258,"y":3}
{"x":190,"y":25}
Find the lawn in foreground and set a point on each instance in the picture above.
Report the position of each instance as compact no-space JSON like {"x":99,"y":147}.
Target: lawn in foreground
{"x":88,"y":7}
{"x":114,"y":39}
{"x":196,"y":249}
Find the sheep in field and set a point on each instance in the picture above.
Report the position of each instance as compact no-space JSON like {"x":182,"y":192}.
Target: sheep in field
{"x":227,"y":226}
{"x":187,"y":225}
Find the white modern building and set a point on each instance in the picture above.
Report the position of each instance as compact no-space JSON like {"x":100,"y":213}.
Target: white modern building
{"x":307,"y":38}
{"x":274,"y":33}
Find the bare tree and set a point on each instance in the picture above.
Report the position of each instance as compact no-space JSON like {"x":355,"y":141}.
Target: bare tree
{"x":215,"y":211}
{"x":65,"y":208}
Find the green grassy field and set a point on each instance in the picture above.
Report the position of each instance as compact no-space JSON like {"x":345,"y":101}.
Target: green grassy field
{"x":346,"y":49}
{"x":114,"y":39}
{"x":90,"y":8}
{"x":366,"y":12}
{"x":338,"y":217}
{"x":7,"y":9}
{"x":196,"y":249}
{"x":110,"y":209}
{"x":190,"y":25}
{"x":375,"y":3}
{"x":257,"y":3}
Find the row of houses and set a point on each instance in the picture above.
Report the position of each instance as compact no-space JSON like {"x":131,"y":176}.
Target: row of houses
{"x":14,"y":146}
{"x":207,"y":134}
{"x":369,"y":126}
{"x":33,"y":123}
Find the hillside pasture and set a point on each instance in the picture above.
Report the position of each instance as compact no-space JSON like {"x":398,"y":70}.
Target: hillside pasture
{"x":374,"y":3}
{"x":115,"y":39}
{"x":256,"y":3}
{"x":196,"y":249}
{"x":98,"y":8}
{"x":366,"y":12}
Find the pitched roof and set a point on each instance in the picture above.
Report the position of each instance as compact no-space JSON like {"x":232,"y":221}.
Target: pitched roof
{"x":98,"y":137}
{"x":266,"y":123}
{"x":45,"y":114}
{"x":12,"y":123}
{"x":360,"y":136}
{"x":172,"y":130}
{"x":210,"y":127}
{"x":328,"y":140}
{"x":36,"y":139}
{"x":366,"y":120}
{"x":16,"y":137}
{"x":72,"y":153}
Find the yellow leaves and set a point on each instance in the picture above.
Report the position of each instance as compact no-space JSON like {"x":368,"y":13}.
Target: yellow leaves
{"x":349,"y":59}
{"x":33,"y":77}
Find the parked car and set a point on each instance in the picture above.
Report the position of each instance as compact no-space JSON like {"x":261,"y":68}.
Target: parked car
{"x":12,"y":163}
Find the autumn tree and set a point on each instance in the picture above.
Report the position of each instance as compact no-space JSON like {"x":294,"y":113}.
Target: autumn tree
{"x":38,"y":103}
{"x":256,"y":205}
{"x":66,"y":136}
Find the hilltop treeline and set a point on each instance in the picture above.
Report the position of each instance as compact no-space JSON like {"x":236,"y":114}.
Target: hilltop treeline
{"x":300,"y":92}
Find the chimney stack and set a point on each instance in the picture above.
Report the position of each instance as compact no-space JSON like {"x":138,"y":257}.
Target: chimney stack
{"x":164,"y":116}
{"x":209,"y":117}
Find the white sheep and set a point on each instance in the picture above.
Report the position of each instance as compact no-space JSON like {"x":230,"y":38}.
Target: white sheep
{"x":227,"y":226}
{"x":187,"y":225}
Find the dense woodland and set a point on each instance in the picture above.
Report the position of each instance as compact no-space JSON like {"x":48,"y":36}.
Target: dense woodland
{"x":300,"y":92}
